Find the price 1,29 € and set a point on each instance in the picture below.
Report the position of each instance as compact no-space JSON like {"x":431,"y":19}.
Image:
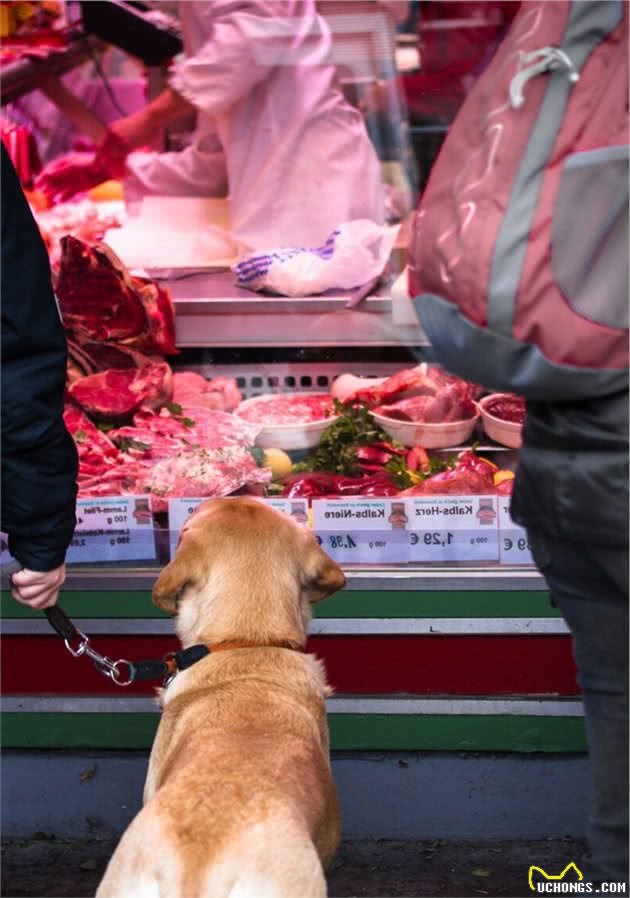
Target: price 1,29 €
{"x":432,"y":538}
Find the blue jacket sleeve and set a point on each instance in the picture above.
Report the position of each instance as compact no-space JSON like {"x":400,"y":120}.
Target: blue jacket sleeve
{"x":39,"y":458}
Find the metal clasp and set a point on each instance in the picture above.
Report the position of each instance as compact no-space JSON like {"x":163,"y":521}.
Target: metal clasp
{"x":102,"y":663}
{"x":547,"y":59}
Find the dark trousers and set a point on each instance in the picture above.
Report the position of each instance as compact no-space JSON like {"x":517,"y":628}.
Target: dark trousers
{"x":589,"y":584}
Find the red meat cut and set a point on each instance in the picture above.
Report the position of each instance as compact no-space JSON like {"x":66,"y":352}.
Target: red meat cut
{"x":114,"y":395}
{"x":97,"y":296}
{"x":100,"y":300}
{"x":159,"y":334}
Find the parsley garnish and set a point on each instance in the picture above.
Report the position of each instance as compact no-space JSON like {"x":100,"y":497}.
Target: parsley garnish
{"x":337,"y":450}
{"x":128,"y":443}
{"x":257,"y":454}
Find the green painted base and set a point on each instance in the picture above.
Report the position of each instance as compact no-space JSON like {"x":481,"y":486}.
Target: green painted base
{"x":349,"y":732}
{"x":347,"y":604}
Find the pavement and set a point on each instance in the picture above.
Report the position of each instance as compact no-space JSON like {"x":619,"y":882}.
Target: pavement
{"x":45,"y":866}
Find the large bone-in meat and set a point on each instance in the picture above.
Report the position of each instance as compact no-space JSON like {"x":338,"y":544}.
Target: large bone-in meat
{"x":100,"y":300}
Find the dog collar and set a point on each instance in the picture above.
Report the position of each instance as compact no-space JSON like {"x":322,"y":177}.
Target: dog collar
{"x":176,"y":661}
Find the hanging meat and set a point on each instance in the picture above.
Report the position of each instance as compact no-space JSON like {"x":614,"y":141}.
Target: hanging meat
{"x":100,"y":300}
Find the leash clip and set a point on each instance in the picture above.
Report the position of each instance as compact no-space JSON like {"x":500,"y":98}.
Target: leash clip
{"x":102,"y":663}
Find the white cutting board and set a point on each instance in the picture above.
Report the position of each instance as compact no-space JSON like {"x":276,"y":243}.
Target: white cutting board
{"x":176,"y":232}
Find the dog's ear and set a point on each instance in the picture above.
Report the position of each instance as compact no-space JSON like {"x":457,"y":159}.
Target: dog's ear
{"x":183,"y":570}
{"x":322,"y":576}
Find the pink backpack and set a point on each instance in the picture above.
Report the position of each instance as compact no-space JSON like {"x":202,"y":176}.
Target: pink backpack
{"x":519,"y":250}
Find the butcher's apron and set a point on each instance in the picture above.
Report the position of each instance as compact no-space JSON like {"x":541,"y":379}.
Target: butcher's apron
{"x":297,"y":158}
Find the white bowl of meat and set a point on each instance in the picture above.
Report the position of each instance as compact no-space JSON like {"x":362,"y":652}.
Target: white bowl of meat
{"x":430,"y":435}
{"x":502,"y":415}
{"x":289,"y":420}
{"x":425,"y":406}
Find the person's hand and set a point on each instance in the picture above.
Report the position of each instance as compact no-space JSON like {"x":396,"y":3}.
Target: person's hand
{"x":62,"y":178}
{"x":38,"y":589}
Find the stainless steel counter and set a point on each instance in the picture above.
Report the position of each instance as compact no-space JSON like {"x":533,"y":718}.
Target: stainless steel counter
{"x":386,"y":579}
{"x":211,"y":311}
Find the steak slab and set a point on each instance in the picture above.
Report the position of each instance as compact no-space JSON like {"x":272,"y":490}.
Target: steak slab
{"x":115,"y":395}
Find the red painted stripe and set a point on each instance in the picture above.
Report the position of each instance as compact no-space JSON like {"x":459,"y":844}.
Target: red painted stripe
{"x":423,"y":665}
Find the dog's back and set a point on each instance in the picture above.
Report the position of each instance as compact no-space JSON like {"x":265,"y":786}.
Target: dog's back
{"x":239,"y":798}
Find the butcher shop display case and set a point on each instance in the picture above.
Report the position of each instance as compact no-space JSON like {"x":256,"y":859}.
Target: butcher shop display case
{"x":392,"y":463}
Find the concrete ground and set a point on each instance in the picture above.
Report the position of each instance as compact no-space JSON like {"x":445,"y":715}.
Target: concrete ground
{"x":43,"y":866}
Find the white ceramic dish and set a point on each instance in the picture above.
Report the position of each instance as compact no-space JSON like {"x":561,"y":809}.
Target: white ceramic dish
{"x":299,"y":435}
{"x":507,"y":433}
{"x":430,"y":436}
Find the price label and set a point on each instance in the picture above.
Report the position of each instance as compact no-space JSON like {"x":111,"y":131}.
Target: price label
{"x":116,"y":528}
{"x":513,"y":543}
{"x":365,"y":547}
{"x":179,"y":510}
{"x":453,"y":528}
{"x":362,"y":531}
{"x":295,"y":508}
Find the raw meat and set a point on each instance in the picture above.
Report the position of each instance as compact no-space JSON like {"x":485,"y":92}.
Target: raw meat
{"x":204,"y":473}
{"x":92,"y":444}
{"x":471,"y":475}
{"x":114,"y":395}
{"x":92,"y":356}
{"x":347,"y":386}
{"x":423,"y":380}
{"x":159,"y":335}
{"x":507,"y":407}
{"x":456,"y":481}
{"x":100,"y":300}
{"x":410,"y":381}
{"x":145,"y":443}
{"x":97,"y":296}
{"x":192,"y":389}
{"x":285,"y":408}
{"x":324,"y":484}
{"x":448,"y":403}
{"x":103,"y":469}
{"x":199,"y":427}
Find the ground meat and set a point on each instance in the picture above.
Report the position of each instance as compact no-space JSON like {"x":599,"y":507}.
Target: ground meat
{"x":508,"y":407}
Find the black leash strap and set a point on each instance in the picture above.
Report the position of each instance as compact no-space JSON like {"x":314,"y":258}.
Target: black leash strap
{"x":60,"y":622}
{"x":121,"y":672}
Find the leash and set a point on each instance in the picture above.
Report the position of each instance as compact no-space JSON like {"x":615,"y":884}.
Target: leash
{"x":122,"y":672}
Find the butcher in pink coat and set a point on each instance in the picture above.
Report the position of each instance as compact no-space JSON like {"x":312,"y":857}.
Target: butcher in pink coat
{"x":273,"y":130}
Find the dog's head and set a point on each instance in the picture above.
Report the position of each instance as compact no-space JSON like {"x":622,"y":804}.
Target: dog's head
{"x":243,"y":571}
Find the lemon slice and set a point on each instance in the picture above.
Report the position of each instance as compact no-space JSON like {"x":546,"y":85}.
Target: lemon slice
{"x":502,"y":475}
{"x":279,"y":462}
